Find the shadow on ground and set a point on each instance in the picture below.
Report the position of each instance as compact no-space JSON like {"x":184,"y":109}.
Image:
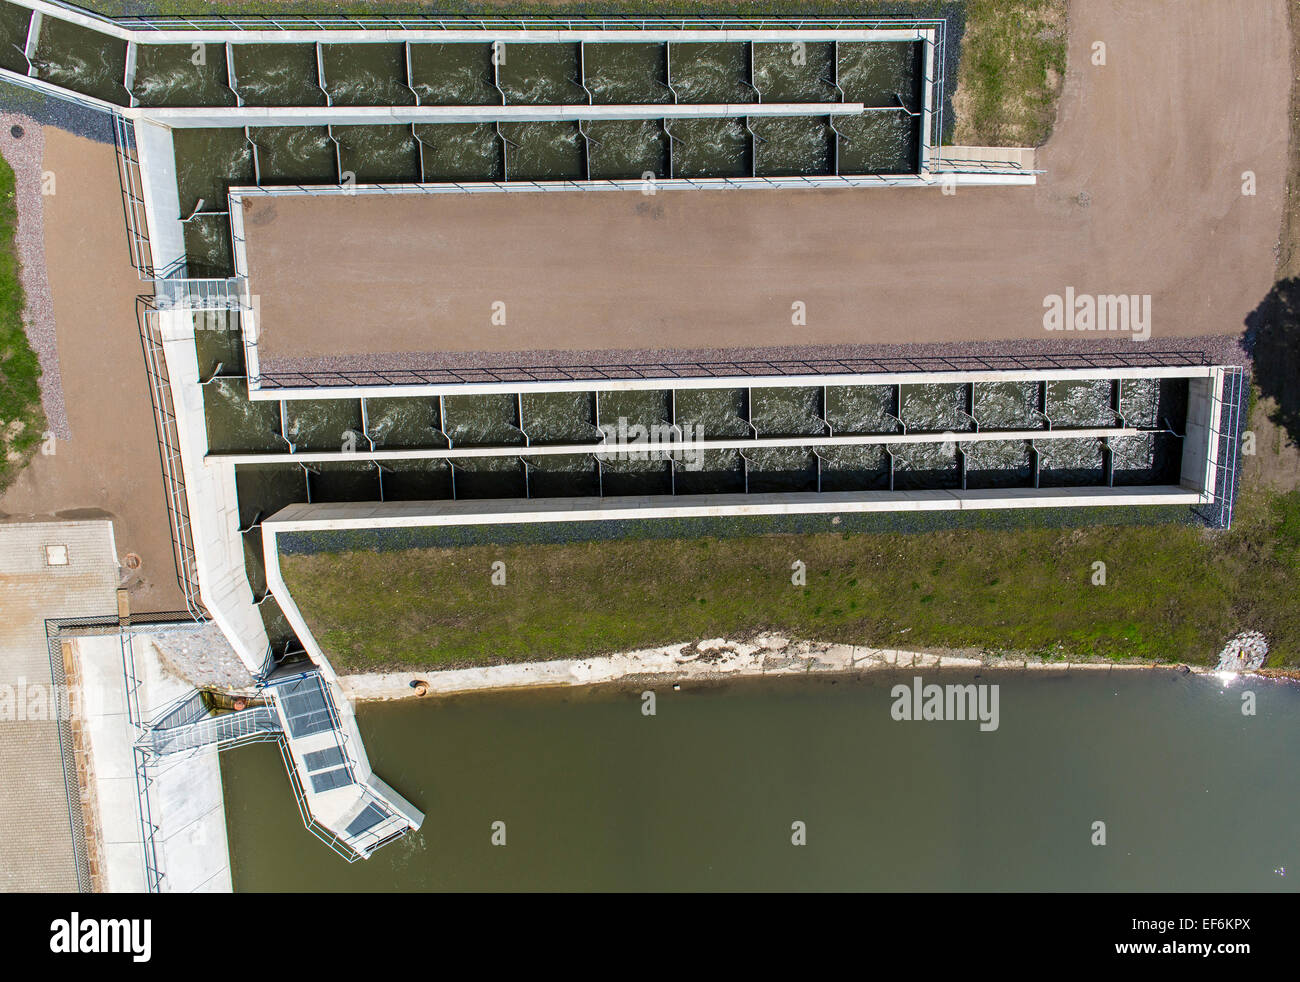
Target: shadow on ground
{"x":1272,"y":339}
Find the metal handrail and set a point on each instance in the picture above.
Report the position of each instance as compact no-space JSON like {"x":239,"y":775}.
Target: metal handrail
{"x":631,"y":23}
{"x":687,"y":370}
{"x":1225,"y":430}
{"x":148,"y":828}
{"x":172,"y":467}
{"x":133,"y":204}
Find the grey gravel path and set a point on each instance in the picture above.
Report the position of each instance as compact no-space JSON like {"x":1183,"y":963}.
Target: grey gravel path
{"x":22,"y":143}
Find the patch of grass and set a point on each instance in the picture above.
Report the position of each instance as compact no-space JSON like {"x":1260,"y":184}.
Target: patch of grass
{"x":1012,"y":69}
{"x":1172,"y":593}
{"x":22,"y":421}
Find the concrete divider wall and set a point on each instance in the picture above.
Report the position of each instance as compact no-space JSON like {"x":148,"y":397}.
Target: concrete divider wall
{"x":1199,"y":450}
{"x":677,"y":446}
{"x":304,"y":517}
{"x":157,"y":159}
{"x":213,"y":502}
{"x":388,"y":115}
{"x":663,"y":29}
{"x":288,"y":393}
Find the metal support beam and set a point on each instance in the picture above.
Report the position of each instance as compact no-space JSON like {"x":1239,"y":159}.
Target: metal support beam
{"x":320,"y":73}
{"x":232,"y":82}
{"x":33,"y":39}
{"x":128,"y":76}
{"x":410,"y":76}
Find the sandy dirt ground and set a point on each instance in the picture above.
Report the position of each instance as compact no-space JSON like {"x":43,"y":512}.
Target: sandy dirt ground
{"x":1142,"y":195}
{"x":1275,"y":461}
{"x":110,"y":467}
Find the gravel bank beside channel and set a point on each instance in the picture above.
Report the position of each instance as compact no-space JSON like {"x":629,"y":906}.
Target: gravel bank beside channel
{"x":23,"y":146}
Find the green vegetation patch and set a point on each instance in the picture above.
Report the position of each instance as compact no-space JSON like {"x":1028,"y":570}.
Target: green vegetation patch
{"x":1171,"y":593}
{"x":22,"y":422}
{"x":1012,"y":69}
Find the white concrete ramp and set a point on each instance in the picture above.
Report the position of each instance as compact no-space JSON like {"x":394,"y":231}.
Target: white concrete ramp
{"x":341,"y":799}
{"x":993,"y":160}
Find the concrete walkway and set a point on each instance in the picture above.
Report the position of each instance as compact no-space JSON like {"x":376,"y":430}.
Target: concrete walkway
{"x":36,"y":845}
{"x":185,"y":797}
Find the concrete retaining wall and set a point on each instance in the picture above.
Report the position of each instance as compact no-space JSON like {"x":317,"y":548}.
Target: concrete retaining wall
{"x":418,"y":514}
{"x":213,"y":502}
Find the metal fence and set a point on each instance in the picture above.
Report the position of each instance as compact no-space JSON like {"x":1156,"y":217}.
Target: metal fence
{"x":1227,"y":432}
{"x":507,"y":22}
{"x":1179,"y":358}
{"x":337,"y":845}
{"x":133,"y":207}
{"x":54,"y":630}
{"x":169,"y":453}
{"x":153,"y":874}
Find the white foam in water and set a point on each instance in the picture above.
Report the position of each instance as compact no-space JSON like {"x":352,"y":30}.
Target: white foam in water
{"x":481,"y":420}
{"x":935,"y":407}
{"x":320,"y":424}
{"x":559,"y":417}
{"x":1007,"y":405}
{"x":718,"y":412}
{"x":787,"y":411}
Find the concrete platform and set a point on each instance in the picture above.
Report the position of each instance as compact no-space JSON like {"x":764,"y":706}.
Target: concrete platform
{"x":185,"y":795}
{"x":37,"y":850}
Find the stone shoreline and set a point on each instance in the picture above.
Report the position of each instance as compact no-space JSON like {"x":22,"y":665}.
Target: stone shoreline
{"x":712,"y":660}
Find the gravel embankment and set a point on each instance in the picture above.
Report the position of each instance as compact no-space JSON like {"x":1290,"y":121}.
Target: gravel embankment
{"x":22,"y":143}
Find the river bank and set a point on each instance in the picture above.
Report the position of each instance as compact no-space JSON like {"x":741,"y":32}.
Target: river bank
{"x":715,"y":659}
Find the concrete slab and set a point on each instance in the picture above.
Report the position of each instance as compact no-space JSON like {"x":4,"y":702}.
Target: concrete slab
{"x":36,"y":837}
{"x":186,"y":801}
{"x":185,"y":797}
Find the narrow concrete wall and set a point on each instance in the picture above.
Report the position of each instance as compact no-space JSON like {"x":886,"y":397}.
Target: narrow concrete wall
{"x":414,"y":514}
{"x":1203,"y":405}
{"x":387,"y":115}
{"x":855,"y":29}
{"x":614,"y":449}
{"x":213,"y":503}
{"x":162,"y":202}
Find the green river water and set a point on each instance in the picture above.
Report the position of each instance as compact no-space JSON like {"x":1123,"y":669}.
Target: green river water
{"x":594,"y":795}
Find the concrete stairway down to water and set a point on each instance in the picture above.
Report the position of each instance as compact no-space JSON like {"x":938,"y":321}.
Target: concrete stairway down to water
{"x":341,"y":799}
